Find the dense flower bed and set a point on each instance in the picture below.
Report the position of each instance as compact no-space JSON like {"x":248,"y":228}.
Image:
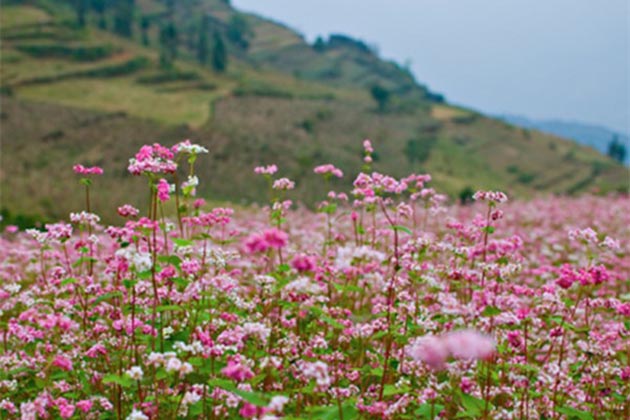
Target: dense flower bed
{"x":386,"y":303}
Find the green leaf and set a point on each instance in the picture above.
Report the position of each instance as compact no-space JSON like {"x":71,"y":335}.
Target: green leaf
{"x":573,"y":413}
{"x":473,"y":405}
{"x":331,"y":412}
{"x":488,"y":229}
{"x":69,"y":280}
{"x":424,"y":411}
{"x":182,"y":242}
{"x":391,"y":389}
{"x":255,"y":398}
{"x":107,"y":296}
{"x":401,"y":228}
{"x":123,"y":381}
{"x":491,"y":311}
{"x":165,"y":308}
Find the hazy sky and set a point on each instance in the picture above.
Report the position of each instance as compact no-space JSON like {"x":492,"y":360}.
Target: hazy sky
{"x":561,"y":59}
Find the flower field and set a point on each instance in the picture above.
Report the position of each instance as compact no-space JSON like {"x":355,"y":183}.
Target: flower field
{"x":385,"y":302}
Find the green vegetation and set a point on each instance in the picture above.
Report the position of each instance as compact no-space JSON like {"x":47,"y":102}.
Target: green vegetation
{"x":172,"y":70}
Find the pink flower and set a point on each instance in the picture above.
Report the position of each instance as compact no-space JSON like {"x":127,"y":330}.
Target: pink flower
{"x":431,"y":350}
{"x":493,"y":197}
{"x":266,"y":170}
{"x":469,"y":345}
{"x":276,"y":238}
{"x":63,"y":363}
{"x":237,"y":371}
{"x":303,"y":263}
{"x":93,"y":170}
{"x":250,"y":410}
{"x":255,"y":243}
{"x":152,"y":159}
{"x":66,"y":411}
{"x":328,"y":169}
{"x":367,"y":146}
{"x":84,"y":405}
{"x":198,"y":203}
{"x":283,"y":184}
{"x":128,"y":211}
{"x":163,"y":190}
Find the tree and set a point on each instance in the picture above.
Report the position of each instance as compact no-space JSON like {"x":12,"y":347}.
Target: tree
{"x":100,"y":7}
{"x":381,"y":96}
{"x":203,"y":46}
{"x":81,"y":8}
{"x":168,"y":45}
{"x":145,"y":24}
{"x":319,"y":45}
{"x":617,"y":150}
{"x":219,"y":54}
{"x":239,"y":31}
{"x":123,"y":17}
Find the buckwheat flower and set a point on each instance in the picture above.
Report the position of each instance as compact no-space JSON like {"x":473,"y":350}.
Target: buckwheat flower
{"x":328,"y":169}
{"x":236,"y":371}
{"x":494,"y":197}
{"x":63,"y":363}
{"x":137,"y":415}
{"x":168,"y":331}
{"x":11,"y":229}
{"x":128,"y":210}
{"x":470,"y":345}
{"x":275,"y":238}
{"x":318,"y":371}
{"x":85,"y":218}
{"x":587,"y":235}
{"x":66,"y":411}
{"x":163,"y":190}
{"x":277,"y":403}
{"x":135,"y":373}
{"x":283,"y":184}
{"x":610,"y":243}
{"x":173,"y":365}
{"x":82,"y":170}
{"x":84,"y":405}
{"x":190,"y":267}
{"x":257,"y":329}
{"x":189,"y":187}
{"x":303,"y":263}
{"x":152,"y":159}
{"x":187,"y":147}
{"x":431,"y":350}
{"x":198,"y":203}
{"x":8,"y":406}
{"x":38,"y":235}
{"x":59,"y":231}
{"x":266,"y":170}
{"x":367,"y":146}
{"x":185,"y":369}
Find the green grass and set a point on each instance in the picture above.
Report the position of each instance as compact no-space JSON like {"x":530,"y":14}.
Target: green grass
{"x":13,"y":16}
{"x":125,"y":94}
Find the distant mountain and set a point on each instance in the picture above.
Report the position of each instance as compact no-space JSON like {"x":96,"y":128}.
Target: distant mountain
{"x":594,"y":136}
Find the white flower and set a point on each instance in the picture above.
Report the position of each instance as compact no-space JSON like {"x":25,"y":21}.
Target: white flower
{"x":173,"y":364}
{"x":137,"y":415}
{"x":277,"y":403}
{"x":135,"y":373}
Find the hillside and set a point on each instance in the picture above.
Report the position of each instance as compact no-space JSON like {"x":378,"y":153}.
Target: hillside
{"x":597,"y":137}
{"x":84,"y":94}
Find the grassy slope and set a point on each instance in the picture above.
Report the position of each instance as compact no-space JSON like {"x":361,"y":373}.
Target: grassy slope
{"x":49,"y":125}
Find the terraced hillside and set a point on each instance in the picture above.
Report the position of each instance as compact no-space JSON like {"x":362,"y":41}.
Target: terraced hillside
{"x":85,"y":94}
